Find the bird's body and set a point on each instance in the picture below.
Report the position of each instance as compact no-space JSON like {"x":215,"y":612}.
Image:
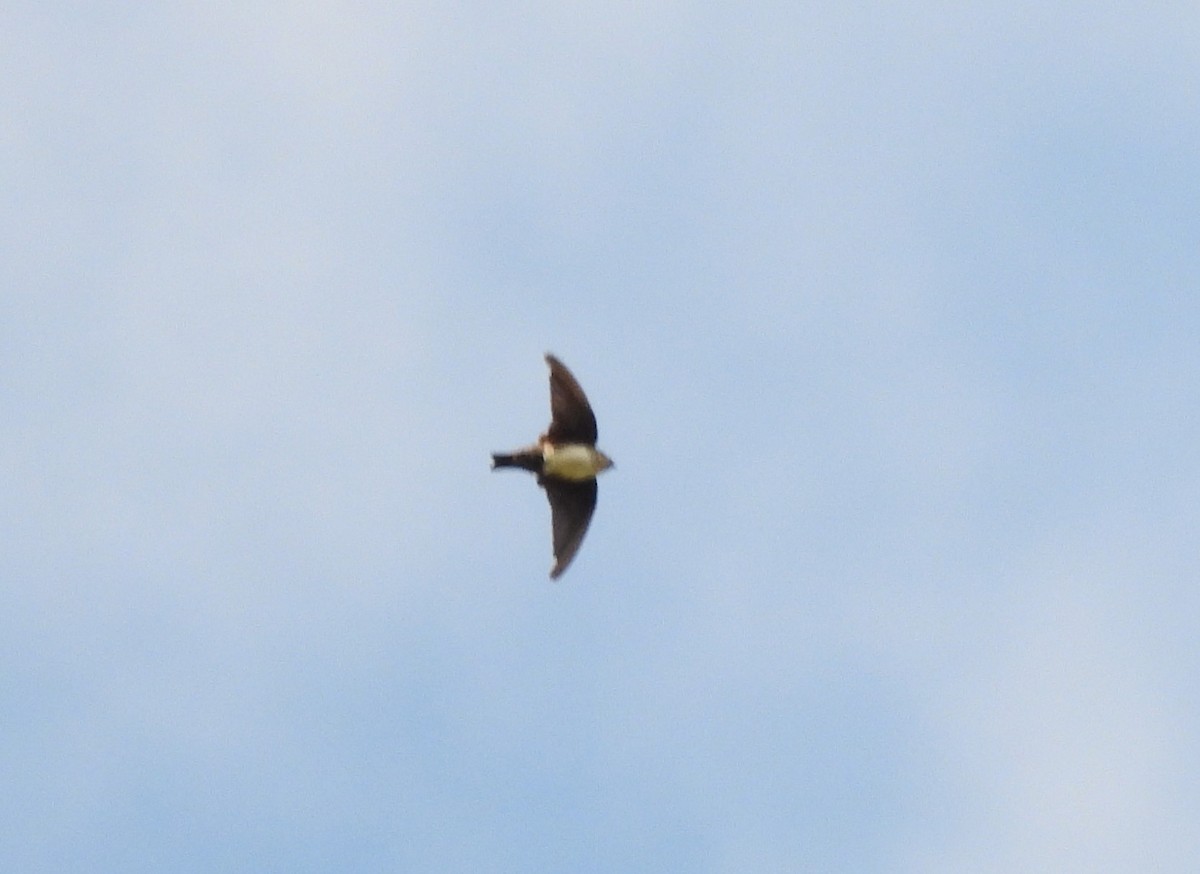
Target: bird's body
{"x":566,"y":462}
{"x":572,"y":461}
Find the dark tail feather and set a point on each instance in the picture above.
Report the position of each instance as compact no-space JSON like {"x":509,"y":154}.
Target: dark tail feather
{"x":526,"y":459}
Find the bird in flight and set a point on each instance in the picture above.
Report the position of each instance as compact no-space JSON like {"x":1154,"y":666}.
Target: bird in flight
{"x":566,"y":462}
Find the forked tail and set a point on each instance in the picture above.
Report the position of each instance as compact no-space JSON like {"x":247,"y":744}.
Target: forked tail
{"x":526,"y":459}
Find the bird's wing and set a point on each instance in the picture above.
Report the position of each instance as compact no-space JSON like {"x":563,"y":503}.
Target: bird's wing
{"x":571,"y":416}
{"x":571,"y":507}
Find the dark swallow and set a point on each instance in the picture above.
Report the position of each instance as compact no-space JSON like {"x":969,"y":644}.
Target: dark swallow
{"x":566,"y":462}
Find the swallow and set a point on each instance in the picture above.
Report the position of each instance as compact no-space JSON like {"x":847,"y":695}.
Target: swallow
{"x":566,"y":462}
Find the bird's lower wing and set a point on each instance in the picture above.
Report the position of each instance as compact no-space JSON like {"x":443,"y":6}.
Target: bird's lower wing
{"x":571,"y":508}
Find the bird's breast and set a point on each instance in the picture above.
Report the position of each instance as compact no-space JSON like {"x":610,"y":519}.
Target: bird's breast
{"x":571,"y":461}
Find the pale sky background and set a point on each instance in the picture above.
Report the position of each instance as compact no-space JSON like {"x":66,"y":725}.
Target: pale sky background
{"x":890,"y":315}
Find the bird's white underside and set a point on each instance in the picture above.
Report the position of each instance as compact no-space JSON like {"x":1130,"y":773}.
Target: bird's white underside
{"x":571,"y":461}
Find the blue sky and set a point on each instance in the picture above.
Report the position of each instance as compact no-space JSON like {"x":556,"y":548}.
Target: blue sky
{"x":889,"y":317}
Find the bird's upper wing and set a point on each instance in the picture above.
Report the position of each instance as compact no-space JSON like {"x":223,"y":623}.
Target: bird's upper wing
{"x":571,"y":507}
{"x":571,"y":416}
